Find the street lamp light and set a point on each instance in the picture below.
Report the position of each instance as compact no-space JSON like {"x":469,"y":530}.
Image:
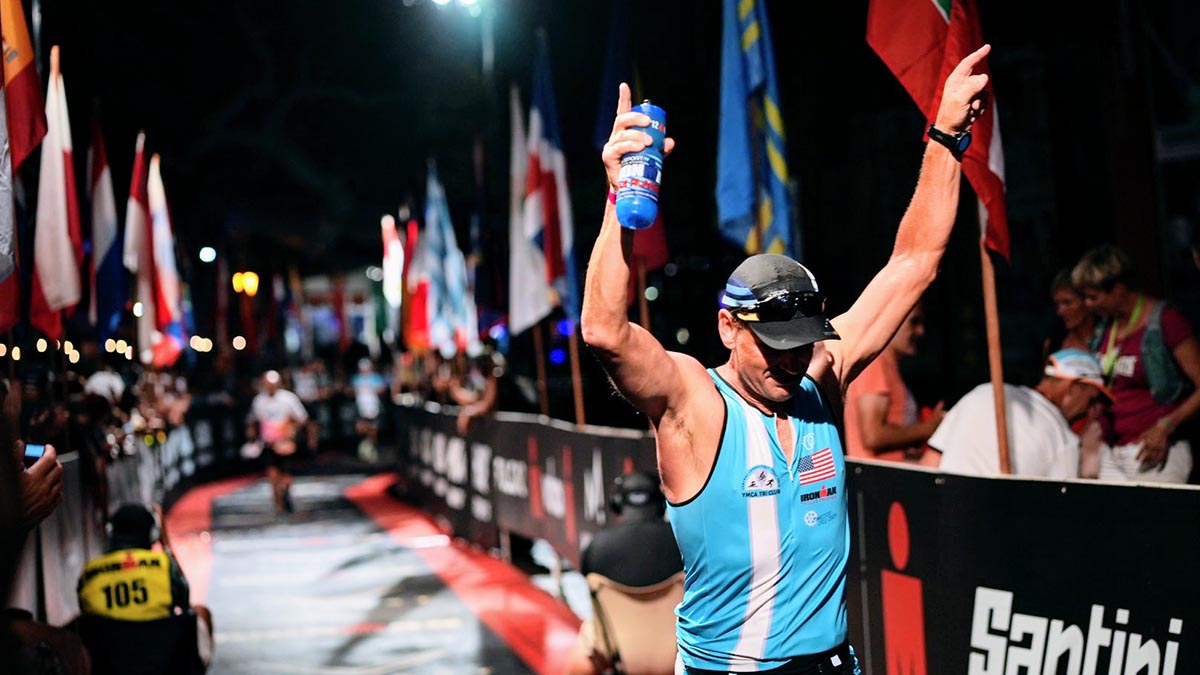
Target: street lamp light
{"x":250,"y":282}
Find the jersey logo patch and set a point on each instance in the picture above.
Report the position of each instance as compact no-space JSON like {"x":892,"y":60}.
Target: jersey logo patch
{"x":760,"y":481}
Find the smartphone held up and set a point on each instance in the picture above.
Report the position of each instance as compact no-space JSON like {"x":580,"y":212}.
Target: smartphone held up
{"x":33,"y":452}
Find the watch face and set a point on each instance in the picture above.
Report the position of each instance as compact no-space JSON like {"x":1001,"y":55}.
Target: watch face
{"x":964,"y":142}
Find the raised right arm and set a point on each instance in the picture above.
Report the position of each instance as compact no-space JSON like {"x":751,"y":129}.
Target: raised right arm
{"x":672,"y":389}
{"x":653,"y":379}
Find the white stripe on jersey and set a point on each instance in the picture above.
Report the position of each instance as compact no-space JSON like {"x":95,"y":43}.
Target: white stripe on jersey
{"x":764,"y":549}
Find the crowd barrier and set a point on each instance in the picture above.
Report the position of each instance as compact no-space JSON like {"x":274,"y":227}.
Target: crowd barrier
{"x":948,"y":573}
{"x":538,"y":477}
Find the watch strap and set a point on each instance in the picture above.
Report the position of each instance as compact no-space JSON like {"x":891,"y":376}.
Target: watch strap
{"x":953,"y":142}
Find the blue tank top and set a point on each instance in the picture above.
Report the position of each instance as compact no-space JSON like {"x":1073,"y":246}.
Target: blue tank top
{"x":765,"y":542}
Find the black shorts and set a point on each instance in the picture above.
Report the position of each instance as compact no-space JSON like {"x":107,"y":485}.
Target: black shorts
{"x":837,"y":661}
{"x":270,"y":458}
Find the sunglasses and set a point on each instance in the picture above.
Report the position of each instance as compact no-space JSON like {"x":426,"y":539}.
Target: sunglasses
{"x":783,"y":306}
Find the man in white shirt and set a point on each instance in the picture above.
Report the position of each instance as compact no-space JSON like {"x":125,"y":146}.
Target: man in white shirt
{"x":1040,"y":438}
{"x":275,"y":415}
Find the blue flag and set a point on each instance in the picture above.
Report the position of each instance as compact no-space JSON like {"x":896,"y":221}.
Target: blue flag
{"x":452,"y":320}
{"x":753,"y":206}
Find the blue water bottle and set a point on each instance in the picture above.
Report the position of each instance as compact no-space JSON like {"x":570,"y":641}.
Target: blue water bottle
{"x":641,"y":174}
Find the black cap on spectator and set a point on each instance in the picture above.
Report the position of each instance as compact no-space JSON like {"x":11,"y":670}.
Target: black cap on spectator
{"x":131,"y":526}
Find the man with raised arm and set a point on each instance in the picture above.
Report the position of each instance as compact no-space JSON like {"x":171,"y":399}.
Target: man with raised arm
{"x":749,"y":451}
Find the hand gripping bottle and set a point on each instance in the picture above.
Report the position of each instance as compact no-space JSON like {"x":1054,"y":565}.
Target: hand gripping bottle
{"x":641,"y":174}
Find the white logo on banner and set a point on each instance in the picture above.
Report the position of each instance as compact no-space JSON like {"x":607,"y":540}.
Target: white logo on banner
{"x":481,"y":460}
{"x":456,"y":460}
{"x":511,"y":476}
{"x":1013,"y":642}
{"x":481,"y":509}
{"x":593,"y":490}
{"x":554,"y":498}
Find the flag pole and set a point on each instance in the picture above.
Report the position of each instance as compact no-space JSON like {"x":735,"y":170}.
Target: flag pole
{"x":61,"y":357}
{"x":995,"y":364}
{"x":539,"y":350}
{"x":576,"y":377}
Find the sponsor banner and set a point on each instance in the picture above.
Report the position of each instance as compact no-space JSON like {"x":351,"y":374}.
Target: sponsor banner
{"x":517,"y":473}
{"x":955,"y":574}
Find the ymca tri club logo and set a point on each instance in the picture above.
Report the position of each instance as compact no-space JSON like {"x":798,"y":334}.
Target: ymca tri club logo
{"x":760,"y":481}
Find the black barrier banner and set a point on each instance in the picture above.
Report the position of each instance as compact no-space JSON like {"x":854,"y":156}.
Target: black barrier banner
{"x":996,"y":576}
{"x":519,"y":473}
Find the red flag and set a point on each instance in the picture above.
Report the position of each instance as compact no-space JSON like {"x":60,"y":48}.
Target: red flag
{"x":921,"y":42}
{"x":22,"y":94}
{"x":416,"y":287}
{"x":139,"y":249}
{"x":58,"y":240}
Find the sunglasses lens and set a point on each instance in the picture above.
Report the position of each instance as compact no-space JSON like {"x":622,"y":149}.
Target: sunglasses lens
{"x":782,"y":308}
{"x":810,"y":304}
{"x":785,"y":307}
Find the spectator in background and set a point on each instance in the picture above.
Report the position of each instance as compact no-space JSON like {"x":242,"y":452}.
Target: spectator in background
{"x":275,"y":415}
{"x":26,"y":498}
{"x":476,"y":390}
{"x":106,"y":381}
{"x":1076,"y":324}
{"x":638,"y":551}
{"x":882,"y":418}
{"x":41,"y":485}
{"x":134,"y":583}
{"x":1040,"y":438}
{"x":1151,"y":361}
{"x":368,"y":385}
{"x":307,"y":387}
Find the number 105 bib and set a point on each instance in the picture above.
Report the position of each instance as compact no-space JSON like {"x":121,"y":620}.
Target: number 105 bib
{"x":128,"y":585}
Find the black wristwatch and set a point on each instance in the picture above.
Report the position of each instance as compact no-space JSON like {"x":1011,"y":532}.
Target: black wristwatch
{"x":956,"y":143}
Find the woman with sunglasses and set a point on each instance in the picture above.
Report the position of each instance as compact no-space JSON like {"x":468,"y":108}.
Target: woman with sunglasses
{"x":749,"y":452}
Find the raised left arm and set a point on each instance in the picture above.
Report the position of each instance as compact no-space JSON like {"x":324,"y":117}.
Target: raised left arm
{"x":868,"y":326}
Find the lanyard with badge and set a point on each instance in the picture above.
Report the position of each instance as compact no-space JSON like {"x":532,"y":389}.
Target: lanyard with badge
{"x":1108,"y":362}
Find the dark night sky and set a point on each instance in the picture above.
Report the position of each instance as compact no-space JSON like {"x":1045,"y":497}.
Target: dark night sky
{"x":286,"y":129}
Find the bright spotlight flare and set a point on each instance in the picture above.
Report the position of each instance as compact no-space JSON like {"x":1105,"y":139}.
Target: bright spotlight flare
{"x":208,"y":254}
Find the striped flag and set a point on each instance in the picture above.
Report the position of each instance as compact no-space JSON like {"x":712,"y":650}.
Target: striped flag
{"x":528,"y":291}
{"x":24,"y":127}
{"x":753,"y":206}
{"x":416,"y":287}
{"x":393,"y":274}
{"x":922,"y":41}
{"x":57,"y":239}
{"x":453,"y":324}
{"x":108,"y":277}
{"x":169,"y":340}
{"x":816,"y":467}
{"x":138,"y":253}
{"x":8,"y":229}
{"x":547,"y":207}
{"x":393,"y":261}
{"x":26,"y":116}
{"x":10,"y":290}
